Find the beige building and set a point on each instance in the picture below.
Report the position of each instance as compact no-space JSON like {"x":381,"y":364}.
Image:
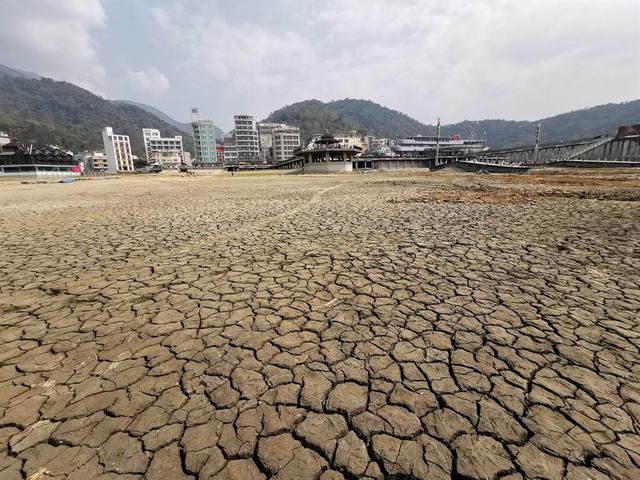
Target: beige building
{"x":164,"y":151}
{"x":96,"y":161}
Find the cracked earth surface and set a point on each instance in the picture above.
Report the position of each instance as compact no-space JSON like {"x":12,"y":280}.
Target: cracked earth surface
{"x":328,"y":327}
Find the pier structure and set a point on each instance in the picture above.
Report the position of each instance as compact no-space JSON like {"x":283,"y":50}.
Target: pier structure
{"x":621,"y":147}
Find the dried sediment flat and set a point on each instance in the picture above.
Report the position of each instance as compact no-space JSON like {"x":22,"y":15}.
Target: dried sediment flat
{"x":305,"y":327}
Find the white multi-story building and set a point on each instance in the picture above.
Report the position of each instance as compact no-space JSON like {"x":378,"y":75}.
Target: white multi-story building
{"x":247,"y":139}
{"x":278,"y":141}
{"x":285,"y":140}
{"x":230,"y":154}
{"x":166,"y":152}
{"x":118,"y":151}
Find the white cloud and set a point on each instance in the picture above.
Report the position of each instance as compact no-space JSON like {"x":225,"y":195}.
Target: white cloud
{"x":238,"y":53}
{"x":149,"y":81}
{"x":54,"y":38}
{"x":458,"y":59}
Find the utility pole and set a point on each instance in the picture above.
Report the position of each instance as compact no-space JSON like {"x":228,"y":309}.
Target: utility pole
{"x":536,"y":152}
{"x":437,"y":141}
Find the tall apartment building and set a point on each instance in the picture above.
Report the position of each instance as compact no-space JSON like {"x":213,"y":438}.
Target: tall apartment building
{"x":204,"y":139}
{"x":265,"y":133}
{"x":277,"y":141}
{"x":167,"y":152}
{"x":247,"y":139}
{"x":118,"y":151}
{"x":230,"y":149}
{"x":285,"y":140}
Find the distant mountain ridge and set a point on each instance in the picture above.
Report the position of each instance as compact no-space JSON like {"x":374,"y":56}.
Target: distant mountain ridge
{"x":365,"y":116}
{"x":14,"y":72}
{"x":185,"y":127}
{"x":39,"y":110}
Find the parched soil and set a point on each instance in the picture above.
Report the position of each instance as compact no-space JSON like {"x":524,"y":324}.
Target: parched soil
{"x":512,"y":196}
{"x":512,"y":189}
{"x":376,"y":326}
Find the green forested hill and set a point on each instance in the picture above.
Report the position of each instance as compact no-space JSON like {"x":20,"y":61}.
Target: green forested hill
{"x":314,"y":116}
{"x":46,"y":111}
{"x":384,"y":121}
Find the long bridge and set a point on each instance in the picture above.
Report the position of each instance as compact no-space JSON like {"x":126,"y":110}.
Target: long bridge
{"x":620,"y":148}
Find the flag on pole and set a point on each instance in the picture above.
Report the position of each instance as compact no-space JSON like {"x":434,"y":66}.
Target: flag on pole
{"x":538,"y":135}
{"x":438,"y":130}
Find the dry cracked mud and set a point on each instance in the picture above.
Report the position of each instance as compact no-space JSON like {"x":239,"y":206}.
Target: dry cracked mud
{"x":320,"y":327}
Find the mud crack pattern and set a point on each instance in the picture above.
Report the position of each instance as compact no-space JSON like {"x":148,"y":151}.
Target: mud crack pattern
{"x":316,"y":328}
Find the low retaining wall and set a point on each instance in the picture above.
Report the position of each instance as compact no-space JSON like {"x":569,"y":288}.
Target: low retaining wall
{"x":587,"y":164}
{"x":328,"y":167}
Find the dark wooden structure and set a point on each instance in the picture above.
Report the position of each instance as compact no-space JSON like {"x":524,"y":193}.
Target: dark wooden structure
{"x":19,"y":159}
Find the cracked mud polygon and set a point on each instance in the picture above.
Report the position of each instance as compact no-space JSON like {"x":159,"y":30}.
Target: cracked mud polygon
{"x":322,"y":327}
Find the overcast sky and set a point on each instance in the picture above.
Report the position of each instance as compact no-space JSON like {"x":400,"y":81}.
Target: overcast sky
{"x":458,"y":59}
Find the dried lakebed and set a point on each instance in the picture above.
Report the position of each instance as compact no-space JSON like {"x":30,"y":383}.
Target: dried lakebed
{"x":321,"y":327}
